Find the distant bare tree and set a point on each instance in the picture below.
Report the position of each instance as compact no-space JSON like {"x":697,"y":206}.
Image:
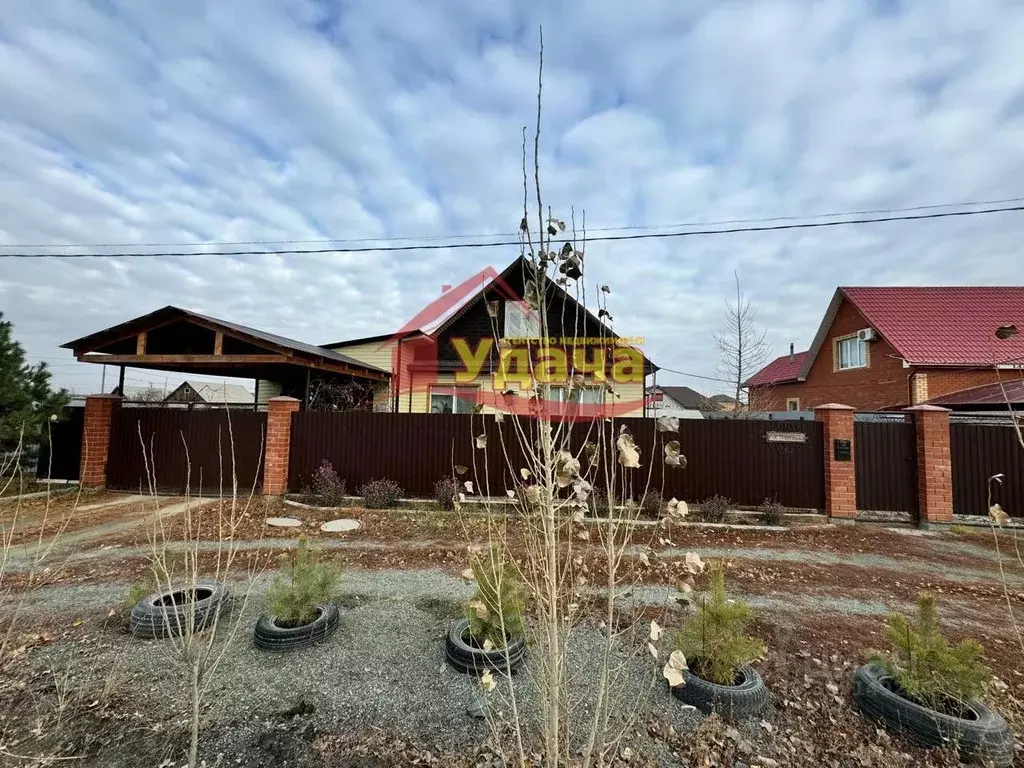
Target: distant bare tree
{"x":742,"y":349}
{"x":330,"y":394}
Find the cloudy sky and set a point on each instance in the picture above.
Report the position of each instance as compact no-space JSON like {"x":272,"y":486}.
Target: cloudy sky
{"x":239,"y":120}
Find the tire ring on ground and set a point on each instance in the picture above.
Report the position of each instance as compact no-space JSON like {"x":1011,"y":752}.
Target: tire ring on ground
{"x":466,"y":658}
{"x":985,"y":738}
{"x":268,"y":636}
{"x":151,"y":618}
{"x":748,"y":698}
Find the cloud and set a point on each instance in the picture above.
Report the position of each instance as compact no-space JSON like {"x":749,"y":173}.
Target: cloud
{"x":236,"y":121}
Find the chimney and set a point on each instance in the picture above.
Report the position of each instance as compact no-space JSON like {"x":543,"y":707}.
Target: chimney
{"x":446,"y":287}
{"x":791,"y":352}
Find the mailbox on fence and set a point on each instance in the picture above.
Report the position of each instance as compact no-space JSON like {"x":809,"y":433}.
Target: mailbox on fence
{"x":843,"y":450}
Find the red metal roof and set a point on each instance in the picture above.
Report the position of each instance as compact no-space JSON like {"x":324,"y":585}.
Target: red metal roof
{"x":946,"y":326}
{"x":1011,"y":391}
{"x":779,"y":370}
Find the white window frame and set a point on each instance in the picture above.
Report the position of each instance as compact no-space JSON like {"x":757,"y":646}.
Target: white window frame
{"x":792,"y":404}
{"x":855,"y":355}
{"x":520,"y":321}
{"x":450,"y":394}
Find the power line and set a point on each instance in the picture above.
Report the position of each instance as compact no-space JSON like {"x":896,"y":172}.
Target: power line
{"x":428,"y":238}
{"x":506,"y":243}
{"x":694,"y":375}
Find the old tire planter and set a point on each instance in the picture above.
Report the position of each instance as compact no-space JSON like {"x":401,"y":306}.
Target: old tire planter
{"x":747,"y":698}
{"x":466,"y":657}
{"x":165,"y":614}
{"x":982,"y":737}
{"x":268,"y":636}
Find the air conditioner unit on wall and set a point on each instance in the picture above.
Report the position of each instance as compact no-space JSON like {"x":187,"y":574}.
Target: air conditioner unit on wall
{"x":868,"y":334}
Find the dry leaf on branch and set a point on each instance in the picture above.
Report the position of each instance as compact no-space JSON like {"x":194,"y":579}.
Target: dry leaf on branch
{"x":656,"y":631}
{"x":629,"y":454}
{"x":693,"y":564}
{"x":673,"y":670}
{"x":487,"y":681}
{"x":998,"y":515}
{"x":481,"y":441}
{"x":668,"y":423}
{"x":461,"y":470}
{"x":673,"y":457}
{"x":652,"y":649}
{"x":469,"y":486}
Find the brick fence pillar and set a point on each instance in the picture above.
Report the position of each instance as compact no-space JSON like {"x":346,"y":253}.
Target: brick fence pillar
{"x":99,"y":411}
{"x":934,"y":465}
{"x":279,"y":433}
{"x":840,"y":475}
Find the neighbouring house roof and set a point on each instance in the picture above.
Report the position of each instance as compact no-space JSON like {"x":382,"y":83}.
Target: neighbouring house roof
{"x":779,"y":371}
{"x":219,"y":392}
{"x":998,"y":395}
{"x":141,"y":394}
{"x":936,"y":326}
{"x":724,"y":400}
{"x":686,"y":397}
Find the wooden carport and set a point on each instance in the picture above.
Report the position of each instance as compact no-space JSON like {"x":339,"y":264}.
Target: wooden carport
{"x":181,"y":341}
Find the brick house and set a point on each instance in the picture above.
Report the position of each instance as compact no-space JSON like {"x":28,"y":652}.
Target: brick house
{"x":888,"y":348}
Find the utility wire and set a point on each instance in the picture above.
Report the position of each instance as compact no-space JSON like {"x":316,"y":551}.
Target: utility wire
{"x":428,"y":238}
{"x":507,"y":243}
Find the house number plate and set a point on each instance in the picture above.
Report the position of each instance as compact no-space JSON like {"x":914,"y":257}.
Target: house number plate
{"x":786,"y":437}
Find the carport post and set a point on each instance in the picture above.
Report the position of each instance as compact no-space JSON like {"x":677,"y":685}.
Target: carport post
{"x":279,"y":432}
{"x":934,"y":465}
{"x":840,"y":454}
{"x":99,"y":412}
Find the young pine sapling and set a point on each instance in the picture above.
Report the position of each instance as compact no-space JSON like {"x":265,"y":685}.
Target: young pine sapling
{"x":309,"y":582}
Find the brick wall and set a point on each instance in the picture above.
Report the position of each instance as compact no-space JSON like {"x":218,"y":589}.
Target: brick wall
{"x":840,"y":476}
{"x":99,"y":410}
{"x":884,"y":383}
{"x":934,"y":465}
{"x":943,"y":381}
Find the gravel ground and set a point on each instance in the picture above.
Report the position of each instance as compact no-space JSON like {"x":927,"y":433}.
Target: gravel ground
{"x":383,"y":669}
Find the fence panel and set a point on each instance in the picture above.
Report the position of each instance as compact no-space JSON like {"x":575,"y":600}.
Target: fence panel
{"x":979,"y":451}
{"x":185,"y":448}
{"x":886,"y":465}
{"x":733,"y":458}
{"x":60,"y":458}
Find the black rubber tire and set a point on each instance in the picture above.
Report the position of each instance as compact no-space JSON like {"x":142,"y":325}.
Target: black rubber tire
{"x":986,"y":738}
{"x":270,"y":637}
{"x":471,"y":660}
{"x":748,"y":698}
{"x":152,"y":618}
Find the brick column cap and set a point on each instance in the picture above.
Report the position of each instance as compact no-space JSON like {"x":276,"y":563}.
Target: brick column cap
{"x":834,"y":407}
{"x":927,"y":409}
{"x":283,"y":401}
{"x":102,"y":397}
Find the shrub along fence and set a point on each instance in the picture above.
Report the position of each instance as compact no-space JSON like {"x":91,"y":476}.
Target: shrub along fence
{"x":736,"y":459}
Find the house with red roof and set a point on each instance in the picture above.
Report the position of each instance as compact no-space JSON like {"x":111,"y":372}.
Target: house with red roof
{"x":888,"y":348}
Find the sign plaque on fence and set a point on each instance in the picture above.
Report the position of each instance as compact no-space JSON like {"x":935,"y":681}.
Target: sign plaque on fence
{"x":786,"y":437}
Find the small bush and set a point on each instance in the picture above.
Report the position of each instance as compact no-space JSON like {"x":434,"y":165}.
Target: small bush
{"x":381,"y":494}
{"x":445,"y":492}
{"x":326,"y":488}
{"x":772,"y":513}
{"x":497,"y":602}
{"x":155,"y":578}
{"x":650,"y":505}
{"x":928,"y":669}
{"x":713,"y":639}
{"x":713,"y":510}
{"x":292,"y":599}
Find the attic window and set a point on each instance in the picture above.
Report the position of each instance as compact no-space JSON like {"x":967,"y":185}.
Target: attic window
{"x":850,"y":353}
{"x":520,"y":322}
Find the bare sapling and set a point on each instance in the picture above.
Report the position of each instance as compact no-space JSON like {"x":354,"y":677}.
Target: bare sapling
{"x":207,"y":551}
{"x":562,"y":445}
{"x":742,"y":345}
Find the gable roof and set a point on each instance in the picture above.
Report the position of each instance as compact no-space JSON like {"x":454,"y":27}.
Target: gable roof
{"x":779,"y":371}
{"x":218,"y":392}
{"x":935,"y":326}
{"x":686,"y":397}
{"x":170,"y":313}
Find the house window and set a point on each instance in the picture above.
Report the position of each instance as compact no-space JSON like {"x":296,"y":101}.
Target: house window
{"x":851,"y":353}
{"x":585,"y":395}
{"x":793,"y":404}
{"x":452,"y":399}
{"x":520,"y":322}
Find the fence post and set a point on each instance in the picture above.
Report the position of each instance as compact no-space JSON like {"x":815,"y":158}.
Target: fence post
{"x":279,"y":433}
{"x":840,"y":473}
{"x":99,"y":412}
{"x":934,"y":465}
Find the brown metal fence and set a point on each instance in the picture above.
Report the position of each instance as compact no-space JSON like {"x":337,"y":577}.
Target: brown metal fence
{"x":979,"y":451}
{"x":60,"y":456}
{"x":733,"y":458}
{"x":196,"y":449}
{"x":886,"y":465}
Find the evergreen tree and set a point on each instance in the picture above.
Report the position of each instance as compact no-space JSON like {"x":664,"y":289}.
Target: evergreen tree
{"x":26,"y":399}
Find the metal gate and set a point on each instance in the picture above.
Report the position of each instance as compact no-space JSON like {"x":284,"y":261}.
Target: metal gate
{"x":977,"y":452}
{"x":175,"y":449}
{"x":886,"y":466}
{"x":60,"y":456}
